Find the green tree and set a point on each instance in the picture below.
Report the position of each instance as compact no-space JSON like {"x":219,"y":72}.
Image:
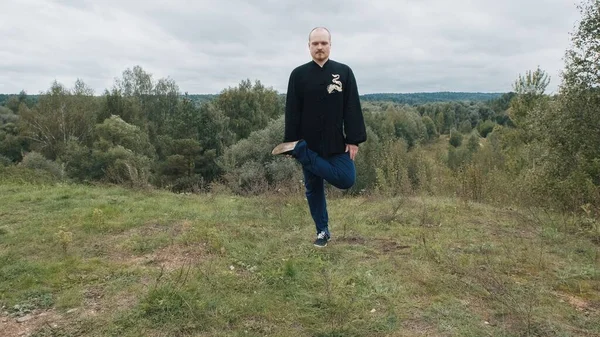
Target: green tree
{"x":114,"y":131}
{"x":139,"y":100}
{"x":432,"y":132}
{"x":12,"y":143}
{"x":249,"y":107}
{"x":473,"y":142}
{"x":249,"y":166}
{"x":571,"y":128}
{"x":455,"y":138}
{"x":123,"y":152}
{"x":529,"y":89}
{"x":440,"y":122}
{"x":60,"y":116}
{"x":485,"y":128}
{"x":184,"y":120}
{"x":14,"y":101}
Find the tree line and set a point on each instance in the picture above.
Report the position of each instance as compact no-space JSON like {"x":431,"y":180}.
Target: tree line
{"x":143,"y":131}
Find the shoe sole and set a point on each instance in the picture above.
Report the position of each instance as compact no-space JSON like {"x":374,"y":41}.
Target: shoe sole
{"x":283,"y":148}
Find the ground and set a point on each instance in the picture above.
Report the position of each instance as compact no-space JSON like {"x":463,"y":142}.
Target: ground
{"x":106,"y":261}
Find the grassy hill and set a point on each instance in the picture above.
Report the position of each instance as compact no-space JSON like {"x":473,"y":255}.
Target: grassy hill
{"x":106,"y":261}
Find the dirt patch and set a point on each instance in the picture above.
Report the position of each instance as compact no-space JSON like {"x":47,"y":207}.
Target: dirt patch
{"x":52,"y":323}
{"x":389,"y":245}
{"x":30,"y":323}
{"x":169,"y":258}
{"x":175,"y":257}
{"x":125,"y":300}
{"x":173,"y":230}
{"x":417,"y":328}
{"x":578,"y":303}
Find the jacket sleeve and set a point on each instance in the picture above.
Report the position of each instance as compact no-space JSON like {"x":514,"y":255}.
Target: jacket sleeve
{"x":293,"y":110}
{"x":354,"y":124}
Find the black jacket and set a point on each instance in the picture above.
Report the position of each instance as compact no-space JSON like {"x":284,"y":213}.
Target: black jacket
{"x":323,"y":108}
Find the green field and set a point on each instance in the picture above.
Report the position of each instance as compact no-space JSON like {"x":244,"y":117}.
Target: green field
{"x":107,"y":261}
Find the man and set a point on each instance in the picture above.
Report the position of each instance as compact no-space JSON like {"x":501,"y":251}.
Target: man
{"x":324,"y":125}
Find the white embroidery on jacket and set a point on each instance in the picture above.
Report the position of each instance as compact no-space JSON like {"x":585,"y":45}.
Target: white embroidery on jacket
{"x":337,"y":84}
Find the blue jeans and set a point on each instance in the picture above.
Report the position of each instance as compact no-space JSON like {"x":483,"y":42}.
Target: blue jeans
{"x":338,"y":170}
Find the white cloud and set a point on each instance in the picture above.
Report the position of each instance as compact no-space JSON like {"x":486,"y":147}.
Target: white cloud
{"x":206,"y":46}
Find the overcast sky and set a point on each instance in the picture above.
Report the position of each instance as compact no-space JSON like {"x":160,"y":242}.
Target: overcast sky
{"x":207,"y":46}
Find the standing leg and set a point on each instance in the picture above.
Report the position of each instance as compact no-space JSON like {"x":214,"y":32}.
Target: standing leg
{"x":315,"y":195}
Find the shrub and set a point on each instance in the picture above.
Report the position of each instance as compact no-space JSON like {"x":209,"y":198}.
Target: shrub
{"x":250,"y":167}
{"x":22,"y":175}
{"x":455,"y":138}
{"x":248,"y":178}
{"x":122,"y":166}
{"x":486,"y":128}
{"x":5,"y":161}
{"x":36,"y":161}
{"x":473,"y":142}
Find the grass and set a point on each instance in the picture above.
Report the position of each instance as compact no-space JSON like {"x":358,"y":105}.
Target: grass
{"x":152,"y":263}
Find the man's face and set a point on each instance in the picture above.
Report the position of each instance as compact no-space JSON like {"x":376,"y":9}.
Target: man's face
{"x":319,"y":45}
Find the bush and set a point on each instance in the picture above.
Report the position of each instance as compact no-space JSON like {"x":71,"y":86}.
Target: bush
{"x":5,"y":161}
{"x":473,"y":142}
{"x":36,"y":161}
{"x":190,"y":184}
{"x":368,"y":152}
{"x":465,"y":127}
{"x":455,"y":138}
{"x":116,"y":132}
{"x":248,"y":179}
{"x":282,"y":169}
{"x":122,"y":166}
{"x":472,"y":181}
{"x":79,"y":163}
{"x":458,"y":157}
{"x":7,"y":116}
{"x":432,"y":132}
{"x":250,"y":167}
{"x":21,"y":175}
{"x":419,"y":170}
{"x":485,"y":128}
{"x":12,"y":146}
{"x":391,"y":170}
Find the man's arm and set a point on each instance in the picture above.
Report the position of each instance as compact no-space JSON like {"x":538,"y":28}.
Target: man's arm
{"x":293,"y":109}
{"x":354,"y":124}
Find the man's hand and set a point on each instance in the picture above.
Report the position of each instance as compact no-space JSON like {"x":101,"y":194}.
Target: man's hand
{"x":353,"y":149}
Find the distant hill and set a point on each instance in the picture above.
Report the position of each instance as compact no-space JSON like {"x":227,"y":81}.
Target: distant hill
{"x":201,"y":98}
{"x":408,"y":98}
{"x":428,"y":97}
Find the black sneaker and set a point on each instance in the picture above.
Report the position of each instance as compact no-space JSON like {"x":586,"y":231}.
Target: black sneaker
{"x":322,"y":239}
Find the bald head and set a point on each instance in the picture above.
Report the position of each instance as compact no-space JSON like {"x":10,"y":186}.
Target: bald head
{"x":319,"y":30}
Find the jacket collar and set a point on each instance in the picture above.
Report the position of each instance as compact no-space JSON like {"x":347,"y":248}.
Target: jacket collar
{"x":324,"y":64}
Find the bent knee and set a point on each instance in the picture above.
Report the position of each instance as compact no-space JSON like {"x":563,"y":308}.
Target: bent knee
{"x":347,"y":183}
